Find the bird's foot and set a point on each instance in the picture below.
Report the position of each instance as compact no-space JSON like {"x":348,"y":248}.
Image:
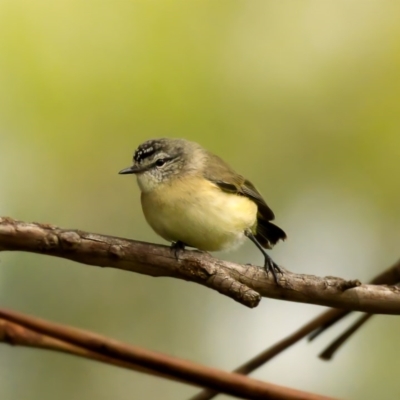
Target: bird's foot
{"x":177,"y":248}
{"x":271,"y":266}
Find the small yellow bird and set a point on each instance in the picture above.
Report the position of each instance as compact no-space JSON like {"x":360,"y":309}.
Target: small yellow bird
{"x":192,"y":197}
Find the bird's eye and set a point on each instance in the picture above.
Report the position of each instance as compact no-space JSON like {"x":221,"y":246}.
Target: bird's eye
{"x":160,"y":162}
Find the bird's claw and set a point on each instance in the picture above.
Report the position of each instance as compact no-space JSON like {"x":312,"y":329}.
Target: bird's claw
{"x":271,"y":266}
{"x":177,"y":248}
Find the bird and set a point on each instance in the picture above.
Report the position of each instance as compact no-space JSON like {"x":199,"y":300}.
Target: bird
{"x":191,"y":197}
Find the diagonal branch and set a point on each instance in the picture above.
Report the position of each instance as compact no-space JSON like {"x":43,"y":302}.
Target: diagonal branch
{"x":328,"y":353}
{"x":272,"y":351}
{"x":390,"y":276}
{"x":314,"y":327}
{"x":19,"y":329}
{"x":243,"y":283}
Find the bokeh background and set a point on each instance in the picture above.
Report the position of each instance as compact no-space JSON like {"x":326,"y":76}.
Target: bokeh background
{"x":301,"y":97}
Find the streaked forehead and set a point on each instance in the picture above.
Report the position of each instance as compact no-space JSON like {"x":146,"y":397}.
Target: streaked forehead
{"x":146,"y":149}
{"x":143,"y":151}
{"x":172,"y":147}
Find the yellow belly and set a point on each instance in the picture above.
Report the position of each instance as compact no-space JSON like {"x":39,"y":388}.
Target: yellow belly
{"x":200,"y":215}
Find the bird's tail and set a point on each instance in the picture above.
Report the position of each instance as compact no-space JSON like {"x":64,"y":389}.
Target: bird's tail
{"x":268,"y":234}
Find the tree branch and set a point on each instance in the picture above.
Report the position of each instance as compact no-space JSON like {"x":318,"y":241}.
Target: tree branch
{"x":316,"y":326}
{"x":19,"y":329}
{"x":272,"y":351}
{"x":390,"y":276}
{"x":328,"y":353}
{"x":243,"y":283}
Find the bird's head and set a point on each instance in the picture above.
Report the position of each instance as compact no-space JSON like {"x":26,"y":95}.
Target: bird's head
{"x":158,"y":161}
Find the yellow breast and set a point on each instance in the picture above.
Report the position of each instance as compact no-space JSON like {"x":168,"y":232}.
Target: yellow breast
{"x":196,"y":212}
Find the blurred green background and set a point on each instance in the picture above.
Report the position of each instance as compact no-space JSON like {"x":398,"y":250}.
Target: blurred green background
{"x":301,"y":97}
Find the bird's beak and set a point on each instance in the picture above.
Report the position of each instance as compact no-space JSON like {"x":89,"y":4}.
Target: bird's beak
{"x":134,"y":169}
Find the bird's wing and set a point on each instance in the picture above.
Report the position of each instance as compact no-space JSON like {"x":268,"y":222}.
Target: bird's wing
{"x":221,"y":174}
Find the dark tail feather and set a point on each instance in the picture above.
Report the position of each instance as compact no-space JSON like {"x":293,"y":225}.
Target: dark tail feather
{"x":268,"y":234}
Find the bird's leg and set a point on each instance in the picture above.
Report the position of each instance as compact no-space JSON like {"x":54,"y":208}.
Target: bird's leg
{"x":177,"y":247}
{"x":269,"y":264}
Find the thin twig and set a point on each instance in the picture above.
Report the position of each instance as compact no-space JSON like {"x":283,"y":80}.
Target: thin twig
{"x":315,"y":326}
{"x":390,"y":276}
{"x":328,"y":353}
{"x":243,"y":283}
{"x":272,"y":351}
